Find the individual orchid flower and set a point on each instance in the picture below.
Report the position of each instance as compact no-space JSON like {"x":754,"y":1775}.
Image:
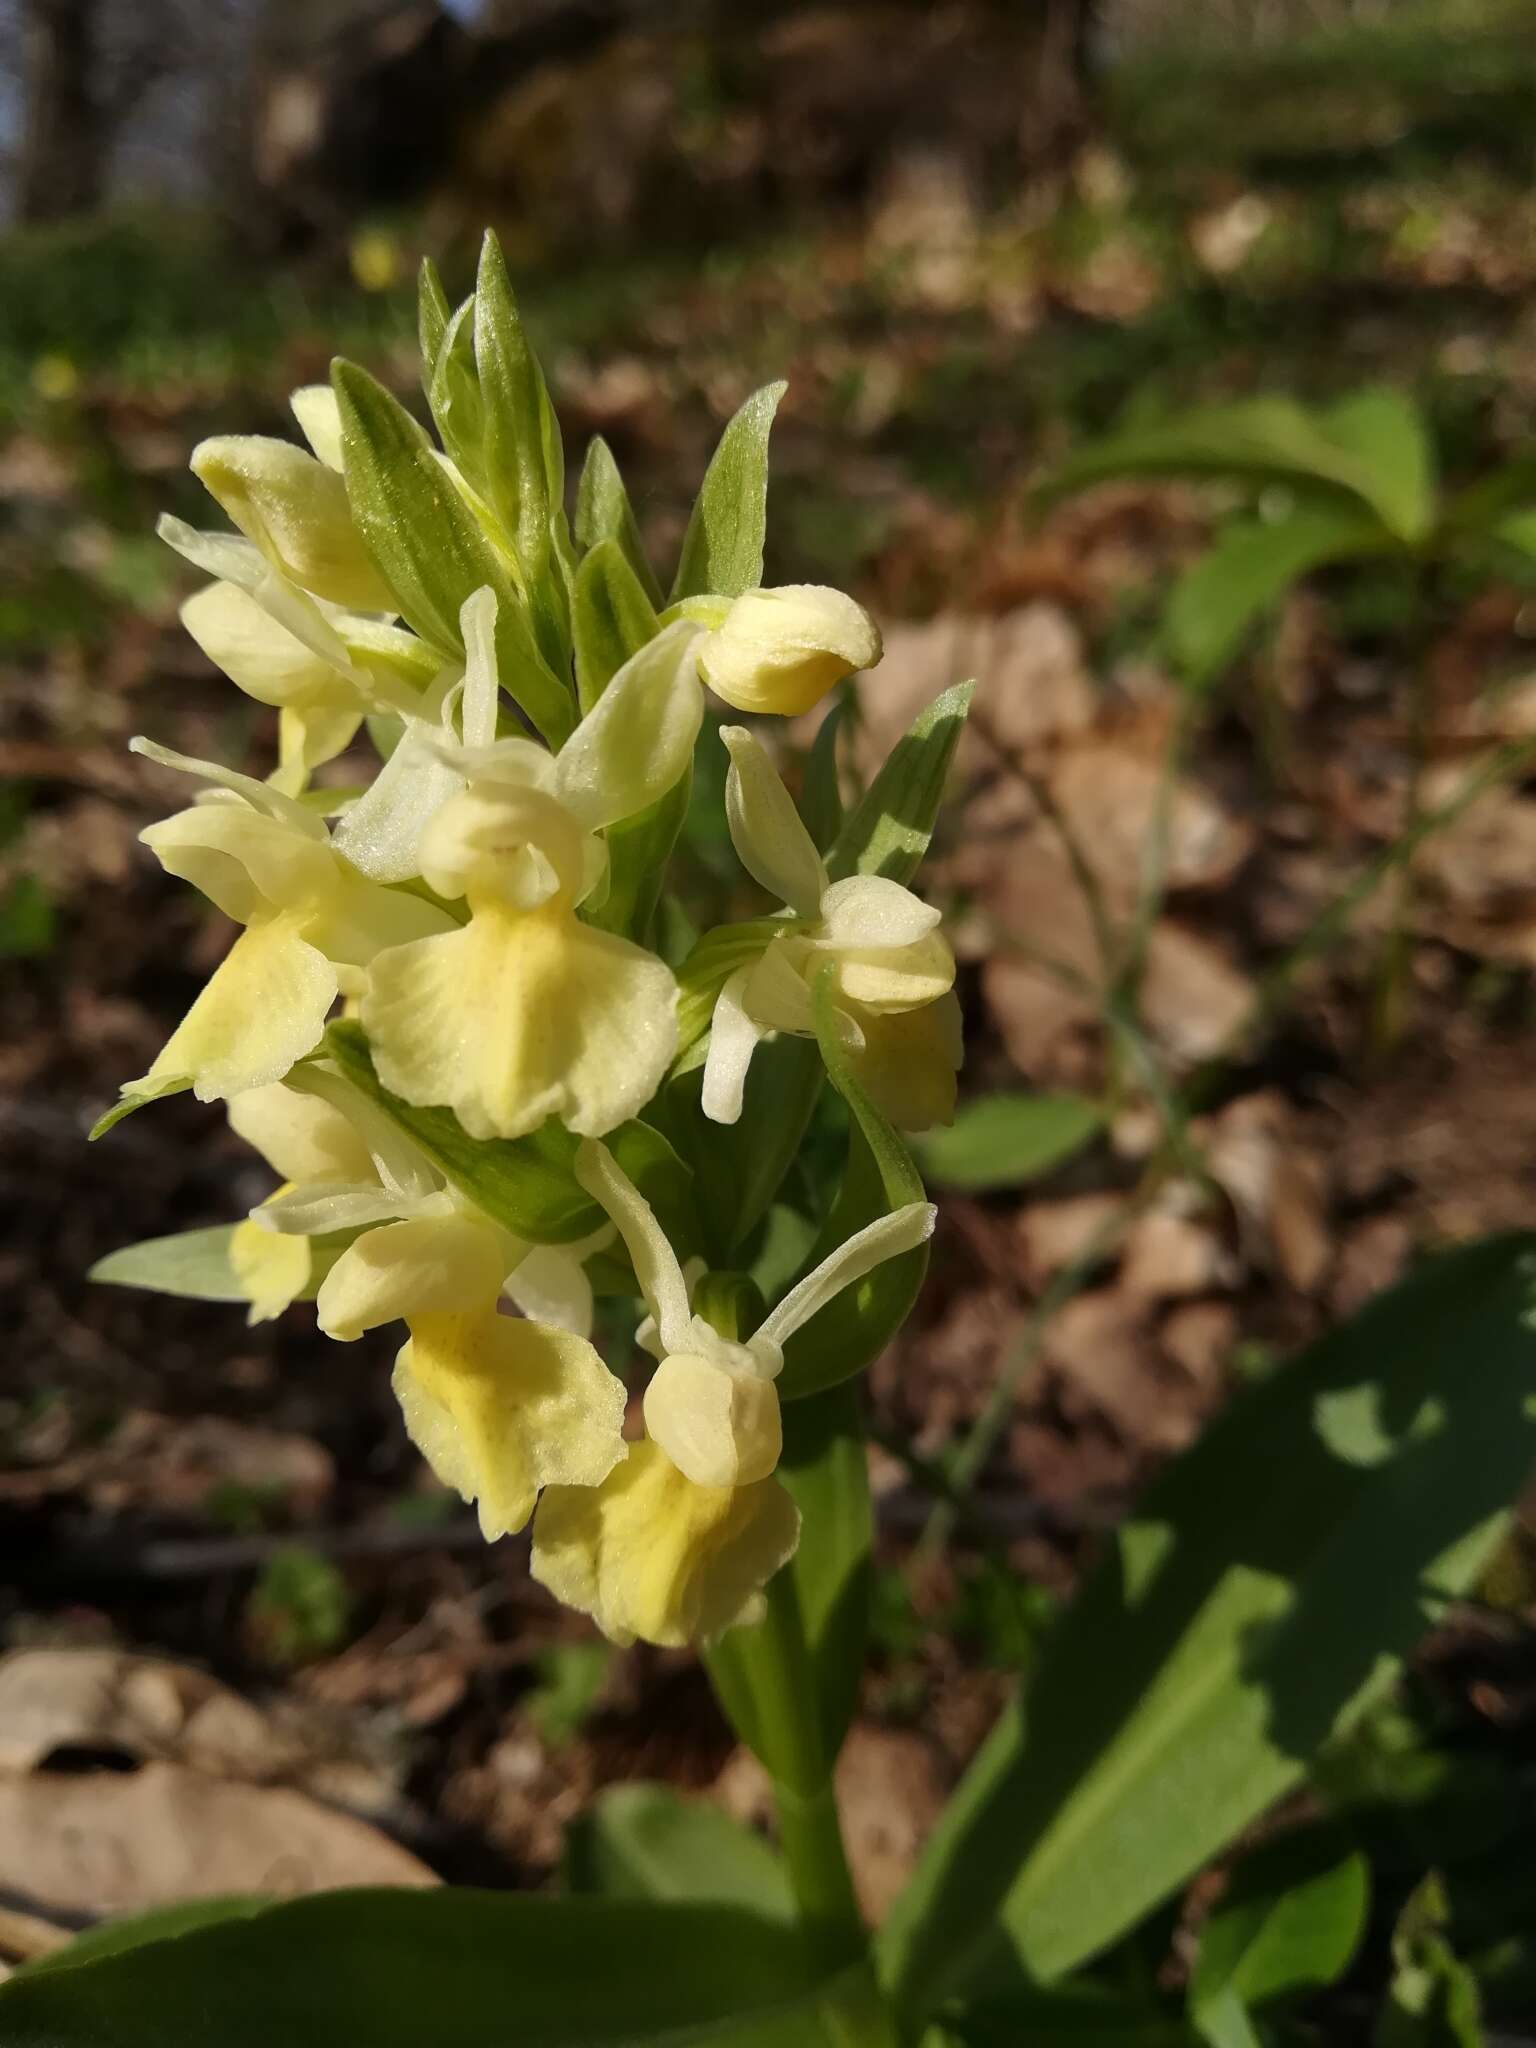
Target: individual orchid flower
{"x":527,"y":1012}
{"x":497,"y":1405}
{"x":677,"y":1544}
{"x":892,"y":972}
{"x":781,"y":650}
{"x":419,"y":1245}
{"x":324,"y":667}
{"x":312,"y":924}
{"x":293,"y":505}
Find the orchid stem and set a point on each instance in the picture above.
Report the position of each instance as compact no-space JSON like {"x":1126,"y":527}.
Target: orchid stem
{"x":810,"y":1833}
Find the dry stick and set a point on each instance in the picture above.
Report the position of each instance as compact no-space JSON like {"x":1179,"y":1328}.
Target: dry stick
{"x":1327,"y":926}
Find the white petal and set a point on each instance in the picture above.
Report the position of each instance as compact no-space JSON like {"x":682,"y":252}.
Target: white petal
{"x":549,"y":1285}
{"x":870,"y":910}
{"x":261,"y":796}
{"x":637,"y":740}
{"x":381,"y":833}
{"x":320,"y":1206}
{"x":765,"y":827}
{"x":887,"y":1237}
{"x":477,"y":625}
{"x":733,"y":1038}
{"x":319,"y":418}
{"x":650,"y":1250}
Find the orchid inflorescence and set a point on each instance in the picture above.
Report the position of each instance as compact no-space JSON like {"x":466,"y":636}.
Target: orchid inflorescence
{"x":493,"y":1069}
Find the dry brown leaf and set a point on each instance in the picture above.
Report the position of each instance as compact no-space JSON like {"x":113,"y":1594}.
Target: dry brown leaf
{"x":1192,"y":998}
{"x":1198,"y":1336}
{"x":108,"y":1842}
{"x":144,"y":1706}
{"x":1109,"y":794}
{"x":1052,"y":1234}
{"x":889,"y":1793}
{"x":1100,"y":1344}
{"x":1168,"y":1254}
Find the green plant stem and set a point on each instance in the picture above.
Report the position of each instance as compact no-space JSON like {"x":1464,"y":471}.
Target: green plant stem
{"x":810,"y":1833}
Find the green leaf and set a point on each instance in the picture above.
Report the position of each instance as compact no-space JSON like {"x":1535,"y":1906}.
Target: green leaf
{"x":137,"y":1930}
{"x":432,"y":313}
{"x":1289,"y":1921}
{"x":889,"y":831}
{"x":1386,"y":434}
{"x":603,"y":512}
{"x":524,"y":458}
{"x":1261,"y":1597}
{"x":739,"y":1167}
{"x":723,"y":547}
{"x":856,"y":1325}
{"x":1247,"y":569}
{"x":1259,"y":440}
{"x":453,"y":394}
{"x":644,"y":1842}
{"x":611,"y":616}
{"x":639,"y":849}
{"x":458,"y":1969}
{"x":821,"y":800}
{"x":998,"y":1141}
{"x":192,"y":1263}
{"x":527,"y":1184}
{"x":430,"y":547}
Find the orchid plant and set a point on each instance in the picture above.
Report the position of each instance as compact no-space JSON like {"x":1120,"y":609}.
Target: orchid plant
{"x":498,"y":1078}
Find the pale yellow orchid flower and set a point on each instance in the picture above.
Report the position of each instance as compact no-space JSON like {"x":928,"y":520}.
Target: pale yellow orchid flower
{"x":527,"y":1012}
{"x":678,"y":1543}
{"x":294,"y":506}
{"x":497,"y":1405}
{"x":889,"y":963}
{"x":781,"y":650}
{"x":312,"y":924}
{"x":422,"y":1247}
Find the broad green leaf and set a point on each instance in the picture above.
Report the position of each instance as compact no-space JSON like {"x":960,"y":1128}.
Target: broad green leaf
{"x":1386,"y":434}
{"x":456,"y":1969}
{"x":430,"y":547}
{"x":739,"y":1167}
{"x":1247,"y":569}
{"x":603,"y":512}
{"x":163,"y":1923}
{"x":1289,"y":1921}
{"x":821,"y":800}
{"x":888,"y":832}
{"x":432,"y":315}
{"x":639,"y":849}
{"x":526,"y":1184}
{"x":856,"y":1325}
{"x":524,"y":458}
{"x":998,"y":1141}
{"x":723,"y":547}
{"x":1258,"y":440}
{"x":1261,"y":1597}
{"x":611,"y":618}
{"x":645,"y":1842}
{"x":1518,"y":529}
{"x":192,"y":1263}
